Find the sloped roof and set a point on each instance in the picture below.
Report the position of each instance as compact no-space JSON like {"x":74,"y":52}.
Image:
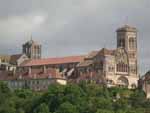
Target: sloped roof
{"x":102,"y":52}
{"x":105,"y":51}
{"x":14,"y":58}
{"x":85,"y":63}
{"x":91,"y":54}
{"x":50,"y":61}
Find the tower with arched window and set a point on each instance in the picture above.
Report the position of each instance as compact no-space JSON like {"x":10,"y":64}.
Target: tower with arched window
{"x":127,"y":39}
{"x":32,"y":49}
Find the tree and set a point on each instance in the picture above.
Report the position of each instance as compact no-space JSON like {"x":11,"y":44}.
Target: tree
{"x":104,"y":111}
{"x":73,"y":98}
{"x":54,"y":97}
{"x":42,"y":108}
{"x":121,"y":103}
{"x":4,"y":92}
{"x":4,"y":88}
{"x":20,"y":110}
{"x":67,"y":108}
{"x":6,"y":108}
{"x":137,"y":99}
{"x":73,"y":93}
{"x":24,"y":93}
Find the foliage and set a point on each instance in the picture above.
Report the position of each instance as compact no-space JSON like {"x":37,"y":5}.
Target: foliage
{"x":67,"y":108}
{"x":73,"y":98}
{"x":42,"y":108}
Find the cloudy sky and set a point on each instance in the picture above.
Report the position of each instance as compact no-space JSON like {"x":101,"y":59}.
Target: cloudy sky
{"x":72,"y":27}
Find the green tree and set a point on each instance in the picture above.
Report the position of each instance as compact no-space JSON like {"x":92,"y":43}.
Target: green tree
{"x":24,"y":93}
{"x":42,"y":108}
{"x":67,"y":108}
{"x":104,"y":111}
{"x":121,"y":104}
{"x":6,"y":108}
{"x":4,"y":88}
{"x":5,"y":92}
{"x":54,"y":97}
{"x":20,"y":110}
{"x":73,"y":93}
{"x":137,"y":99}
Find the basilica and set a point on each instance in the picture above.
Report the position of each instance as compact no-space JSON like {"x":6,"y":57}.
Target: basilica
{"x":115,"y":67}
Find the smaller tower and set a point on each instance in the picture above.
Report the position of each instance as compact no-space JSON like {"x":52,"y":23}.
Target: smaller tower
{"x":32,"y":49}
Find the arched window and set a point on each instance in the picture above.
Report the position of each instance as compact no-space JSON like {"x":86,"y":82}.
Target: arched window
{"x":123,"y":81}
{"x":132,"y":43}
{"x":121,"y":67}
{"x":121,"y":42}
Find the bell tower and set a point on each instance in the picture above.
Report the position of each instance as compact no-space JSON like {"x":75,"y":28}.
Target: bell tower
{"x":127,"y":39}
{"x":32,"y":49}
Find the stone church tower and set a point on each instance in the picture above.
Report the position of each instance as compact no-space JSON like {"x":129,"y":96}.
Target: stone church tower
{"x":32,"y":49}
{"x":127,"y":39}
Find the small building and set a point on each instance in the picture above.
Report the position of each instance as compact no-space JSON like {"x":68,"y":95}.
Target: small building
{"x":35,"y":82}
{"x":18,"y":59}
{"x":11,"y":62}
{"x":4,"y":62}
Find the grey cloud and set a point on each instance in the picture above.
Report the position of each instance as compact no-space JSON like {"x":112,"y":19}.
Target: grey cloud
{"x":69,"y":27}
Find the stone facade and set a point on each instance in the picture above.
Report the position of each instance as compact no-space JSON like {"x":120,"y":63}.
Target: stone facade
{"x":115,"y":67}
{"x":118,"y":67}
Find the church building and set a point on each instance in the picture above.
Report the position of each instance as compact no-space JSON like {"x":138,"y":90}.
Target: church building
{"x":118,"y":67}
{"x":112,"y":67}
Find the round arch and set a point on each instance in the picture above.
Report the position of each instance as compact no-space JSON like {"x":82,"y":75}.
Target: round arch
{"x":123,"y":81}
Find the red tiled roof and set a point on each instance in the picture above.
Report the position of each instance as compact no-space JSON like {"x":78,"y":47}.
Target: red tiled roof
{"x":50,"y":61}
